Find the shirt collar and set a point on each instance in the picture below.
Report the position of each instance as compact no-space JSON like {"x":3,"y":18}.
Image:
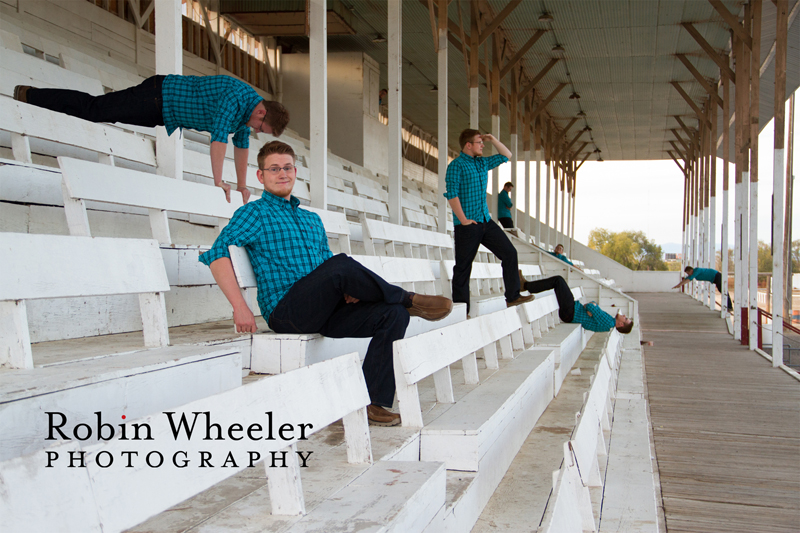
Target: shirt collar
{"x":274,"y":200}
{"x":463,"y":154}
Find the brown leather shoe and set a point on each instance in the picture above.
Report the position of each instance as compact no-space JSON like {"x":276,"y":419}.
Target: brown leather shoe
{"x":430,"y":307}
{"x":378,"y":416}
{"x":521,"y":300}
{"x":522,"y":281}
{"x":21,"y":93}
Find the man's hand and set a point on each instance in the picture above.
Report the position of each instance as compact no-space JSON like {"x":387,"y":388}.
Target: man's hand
{"x":245,"y":194}
{"x":350,"y":300}
{"x":487,"y":138}
{"x":468,"y":222}
{"x":227,"y":188}
{"x":244,"y":320}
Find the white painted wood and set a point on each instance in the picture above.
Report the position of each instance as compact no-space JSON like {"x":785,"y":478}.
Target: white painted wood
{"x":407,"y":399}
{"x":15,"y":340}
{"x":778,"y":173}
{"x":506,"y":350}
{"x":395,"y":103}
{"x":318,"y":107}
{"x":86,"y":266}
{"x":375,"y":230}
{"x":358,"y":204}
{"x":154,"y":319}
{"x":159,"y":225}
{"x":356,"y":434}
{"x":569,"y":495}
{"x":77,"y":218}
{"x":443,"y":381}
{"x":470,"y":366}
{"x":169,"y":60}
{"x":338,"y":388}
{"x":285,"y":489}
{"x":517,"y":340}
{"x":21,"y":148}
{"x":490,"y":356}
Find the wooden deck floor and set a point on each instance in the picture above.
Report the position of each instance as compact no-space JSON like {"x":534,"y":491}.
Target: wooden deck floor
{"x":726,"y":424}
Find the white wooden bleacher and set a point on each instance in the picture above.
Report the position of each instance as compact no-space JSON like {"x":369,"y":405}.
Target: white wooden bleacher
{"x":398,"y":496}
{"x":55,"y":266}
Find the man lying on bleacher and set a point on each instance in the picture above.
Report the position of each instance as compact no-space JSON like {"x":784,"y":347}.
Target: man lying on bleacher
{"x":590,"y":316}
{"x":558,"y":253}
{"x":304,"y":288}
{"x":467,"y":176}
{"x":219,"y":105}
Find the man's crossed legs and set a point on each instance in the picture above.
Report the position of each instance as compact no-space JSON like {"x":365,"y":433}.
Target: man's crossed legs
{"x":316,"y":304}
{"x":566,"y":301}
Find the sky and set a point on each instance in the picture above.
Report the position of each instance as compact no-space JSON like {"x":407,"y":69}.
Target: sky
{"x":648,"y":195}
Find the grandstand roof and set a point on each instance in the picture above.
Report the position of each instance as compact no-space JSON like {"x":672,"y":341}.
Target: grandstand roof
{"x":619,"y":56}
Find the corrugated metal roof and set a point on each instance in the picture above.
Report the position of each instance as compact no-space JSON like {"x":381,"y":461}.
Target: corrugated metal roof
{"x":619,"y":56}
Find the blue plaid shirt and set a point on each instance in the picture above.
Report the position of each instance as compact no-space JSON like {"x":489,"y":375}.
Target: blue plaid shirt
{"x":599,"y":321}
{"x":220,"y":105}
{"x":703,"y":274}
{"x":562,"y":257}
{"x":503,"y":205}
{"x":466,"y":179}
{"x":284,"y":243}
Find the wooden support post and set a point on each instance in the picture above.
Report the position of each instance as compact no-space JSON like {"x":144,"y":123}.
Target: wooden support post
{"x":495,"y":84}
{"x":556,"y":182}
{"x":169,"y":60}
{"x":537,"y":145}
{"x":742,"y":179}
{"x":318,"y":108}
{"x":526,"y":148}
{"x":442,"y":85}
{"x":548,"y":150}
{"x":781,"y":24}
{"x":474,"y":119}
{"x":787,"y":228}
{"x":755,"y":84}
{"x":712,"y":144}
{"x":395,"y":67}
{"x":514,"y":144}
{"x":726,"y":148}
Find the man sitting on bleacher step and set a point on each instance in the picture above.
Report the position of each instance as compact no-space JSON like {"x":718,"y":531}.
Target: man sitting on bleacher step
{"x":467,"y":176}
{"x":590,"y":316}
{"x":219,"y":105}
{"x":304,"y":288}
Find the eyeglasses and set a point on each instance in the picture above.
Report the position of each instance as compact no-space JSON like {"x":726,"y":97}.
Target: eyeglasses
{"x":274,"y":171}
{"x":476,"y":142}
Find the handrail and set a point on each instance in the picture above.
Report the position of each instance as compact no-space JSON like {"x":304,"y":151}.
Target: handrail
{"x":762,"y":314}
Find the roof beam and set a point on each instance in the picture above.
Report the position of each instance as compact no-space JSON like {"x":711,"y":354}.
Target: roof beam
{"x":549,"y":99}
{"x":518,"y":56}
{"x":583,"y":160}
{"x":495,"y":23}
{"x":434,"y":29}
{"x":678,"y":151}
{"x":565,"y":130}
{"x":733,"y":22}
{"x":700,"y":115}
{"x":686,"y":147}
{"x":579,"y":150}
{"x":700,"y":79}
{"x":676,"y":161}
{"x":536,"y":79}
{"x":718,"y":59}
{"x":692,"y":134}
{"x":574,"y":139}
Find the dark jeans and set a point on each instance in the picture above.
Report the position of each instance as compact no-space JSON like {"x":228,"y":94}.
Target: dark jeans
{"x":315,"y":304}
{"x":506,"y":222}
{"x":139,"y":105}
{"x":566,"y":302}
{"x":718,"y":283}
{"x":467,"y":240}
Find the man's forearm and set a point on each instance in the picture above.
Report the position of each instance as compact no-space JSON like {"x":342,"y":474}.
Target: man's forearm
{"x":501,"y":148}
{"x":240,"y":156}
{"x":218,"y":150}
{"x":222,"y":270}
{"x":455,"y":205}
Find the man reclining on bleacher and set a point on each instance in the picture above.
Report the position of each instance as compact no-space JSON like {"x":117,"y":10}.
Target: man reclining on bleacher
{"x":590,"y":316}
{"x":219,"y":105}
{"x":304,"y":288}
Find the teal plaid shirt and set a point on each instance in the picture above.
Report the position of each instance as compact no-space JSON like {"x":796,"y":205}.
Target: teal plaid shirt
{"x":220,"y":105}
{"x":562,"y":257}
{"x":703,"y":274}
{"x":284,"y":243}
{"x":466,"y":179}
{"x":599,"y":321}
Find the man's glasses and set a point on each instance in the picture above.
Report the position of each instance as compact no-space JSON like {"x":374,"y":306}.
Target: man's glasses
{"x":274,"y":171}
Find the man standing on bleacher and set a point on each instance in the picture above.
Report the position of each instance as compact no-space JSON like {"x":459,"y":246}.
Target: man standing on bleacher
{"x":304,"y":288}
{"x":467,"y":176}
{"x":219,"y":105}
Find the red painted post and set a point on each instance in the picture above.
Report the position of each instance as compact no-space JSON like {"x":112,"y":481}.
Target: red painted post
{"x":745,"y":331}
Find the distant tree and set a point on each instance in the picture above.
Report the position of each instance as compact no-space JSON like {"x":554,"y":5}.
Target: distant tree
{"x":629,"y":248}
{"x":764,"y":257}
{"x":796,"y":257}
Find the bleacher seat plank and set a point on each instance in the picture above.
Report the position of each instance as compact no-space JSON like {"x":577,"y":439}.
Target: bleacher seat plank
{"x":519,"y":392}
{"x":568,"y":340}
{"x":349,"y":202}
{"x":570,"y":507}
{"x":134,"y":384}
{"x":20,"y":68}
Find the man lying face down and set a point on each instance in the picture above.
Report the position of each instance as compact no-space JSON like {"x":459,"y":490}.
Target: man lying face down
{"x":590,"y":316}
{"x":304,"y":288}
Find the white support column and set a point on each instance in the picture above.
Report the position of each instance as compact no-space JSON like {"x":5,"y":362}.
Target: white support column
{"x":547,"y":207}
{"x":318,"y":108}
{"x":563,"y":201}
{"x":538,"y":197}
{"x":777,"y":256}
{"x":441,"y":55}
{"x":496,"y":170}
{"x":556,"y":183}
{"x":527,"y":228}
{"x":395,"y":66}
{"x":514,"y":147}
{"x":724,"y":251}
{"x":737,"y":261}
{"x":753,"y":261}
{"x":169,"y":60}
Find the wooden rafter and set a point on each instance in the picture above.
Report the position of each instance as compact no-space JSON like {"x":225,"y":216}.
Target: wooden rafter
{"x":583,"y":161}
{"x":688,"y":150}
{"x":713,"y":54}
{"x":518,"y":56}
{"x":434,"y":29}
{"x":733,"y":22}
{"x":676,"y":161}
{"x":536,"y":79}
{"x":692,"y":134}
{"x":566,"y":129}
{"x":712,"y":92}
{"x":549,"y":99}
{"x":700,"y":115}
{"x":496,"y":21}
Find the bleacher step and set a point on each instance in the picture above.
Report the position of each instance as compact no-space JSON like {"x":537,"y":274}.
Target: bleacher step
{"x":516,"y":395}
{"x":568,"y":340}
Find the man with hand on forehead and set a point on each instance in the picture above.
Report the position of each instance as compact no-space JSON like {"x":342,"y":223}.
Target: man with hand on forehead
{"x":304,"y":288}
{"x":220,"y":105}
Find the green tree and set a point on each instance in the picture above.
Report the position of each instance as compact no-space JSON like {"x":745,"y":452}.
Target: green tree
{"x":764,"y":257}
{"x":796,"y":257}
{"x":629,"y":248}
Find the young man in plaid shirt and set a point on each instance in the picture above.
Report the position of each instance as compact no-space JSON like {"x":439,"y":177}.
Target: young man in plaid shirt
{"x":220,"y":105}
{"x":304,"y":288}
{"x":590,"y":316}
{"x":467,"y":176}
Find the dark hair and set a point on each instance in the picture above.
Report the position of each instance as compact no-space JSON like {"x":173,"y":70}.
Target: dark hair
{"x":277,"y":116}
{"x":466,"y":136}
{"x":507,"y":184}
{"x":557,"y":245}
{"x":626,"y":328}
{"x":274,"y":147}
{"x":688,"y":270}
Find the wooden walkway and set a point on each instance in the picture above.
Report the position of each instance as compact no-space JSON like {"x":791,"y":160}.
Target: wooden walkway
{"x":726,"y":425}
